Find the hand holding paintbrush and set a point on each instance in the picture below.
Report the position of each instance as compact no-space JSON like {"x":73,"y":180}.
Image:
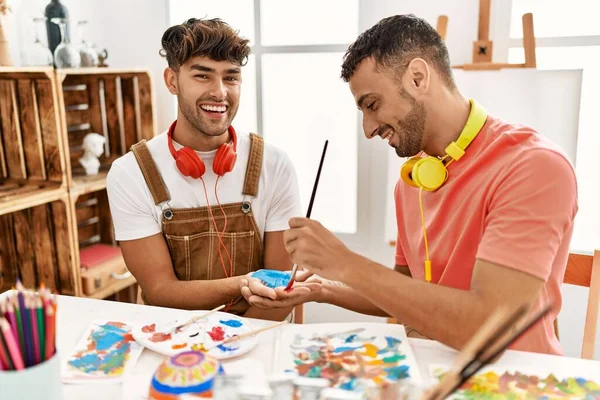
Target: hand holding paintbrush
{"x":310,"y":205}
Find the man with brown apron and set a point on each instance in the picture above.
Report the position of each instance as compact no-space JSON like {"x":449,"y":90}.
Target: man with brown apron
{"x":198,"y":208}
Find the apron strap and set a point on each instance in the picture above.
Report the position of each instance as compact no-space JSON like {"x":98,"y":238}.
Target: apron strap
{"x":254,"y":165}
{"x":153,"y":178}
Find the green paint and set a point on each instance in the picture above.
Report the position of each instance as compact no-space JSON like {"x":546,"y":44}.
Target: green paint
{"x":393,"y":359}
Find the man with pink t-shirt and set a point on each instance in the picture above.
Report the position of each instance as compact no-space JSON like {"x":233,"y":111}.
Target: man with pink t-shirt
{"x":484,"y":219}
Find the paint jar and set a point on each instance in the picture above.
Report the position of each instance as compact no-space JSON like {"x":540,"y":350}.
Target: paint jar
{"x":225,"y":387}
{"x":282,"y":386}
{"x":310,"y":388}
{"x":41,"y":381}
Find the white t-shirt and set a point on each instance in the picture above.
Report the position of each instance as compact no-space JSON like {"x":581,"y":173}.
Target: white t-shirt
{"x":136,"y":216}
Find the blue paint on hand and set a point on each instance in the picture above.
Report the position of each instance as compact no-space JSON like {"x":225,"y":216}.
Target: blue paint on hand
{"x":234,"y":323}
{"x":272,"y":278}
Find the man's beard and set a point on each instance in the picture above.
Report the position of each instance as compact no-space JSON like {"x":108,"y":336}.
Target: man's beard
{"x":191,"y":113}
{"x":411,"y":128}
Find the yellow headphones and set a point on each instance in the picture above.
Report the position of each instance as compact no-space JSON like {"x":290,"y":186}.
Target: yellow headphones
{"x":430,"y":173}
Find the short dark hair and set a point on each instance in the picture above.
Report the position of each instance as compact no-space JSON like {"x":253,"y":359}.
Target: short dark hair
{"x":211,"y":38}
{"x":394,"y":41}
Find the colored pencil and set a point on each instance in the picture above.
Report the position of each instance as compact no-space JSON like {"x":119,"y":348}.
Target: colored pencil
{"x":27,"y":328}
{"x":4,"y":353}
{"x":12,"y":320}
{"x":50,"y":332}
{"x":41,"y":327}
{"x":11,"y":344}
{"x":19,"y":325}
{"x":34,"y":329}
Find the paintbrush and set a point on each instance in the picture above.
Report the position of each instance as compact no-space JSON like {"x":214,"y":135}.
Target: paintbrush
{"x":194,"y":319}
{"x":310,"y":205}
{"x":494,"y":337}
{"x":245,"y":335}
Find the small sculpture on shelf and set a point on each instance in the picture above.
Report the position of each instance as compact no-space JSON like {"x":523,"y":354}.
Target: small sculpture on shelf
{"x":93,"y":147}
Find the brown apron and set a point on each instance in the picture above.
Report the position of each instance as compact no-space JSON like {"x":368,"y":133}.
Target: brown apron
{"x":190,"y":232}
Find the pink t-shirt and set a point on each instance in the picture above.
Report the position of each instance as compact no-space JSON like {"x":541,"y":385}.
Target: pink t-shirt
{"x":510,"y":200}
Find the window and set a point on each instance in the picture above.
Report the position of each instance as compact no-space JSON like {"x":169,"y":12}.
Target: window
{"x":292,"y":92}
{"x":569,"y":38}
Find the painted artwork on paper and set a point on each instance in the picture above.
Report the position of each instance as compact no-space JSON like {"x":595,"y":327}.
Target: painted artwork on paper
{"x":515,"y":385}
{"x":351,"y":356}
{"x":163,"y":338}
{"x":106,"y":350}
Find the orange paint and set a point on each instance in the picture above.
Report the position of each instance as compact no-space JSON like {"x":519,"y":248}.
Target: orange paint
{"x":149,"y":328}
{"x":179,"y":346}
{"x":160,"y":337}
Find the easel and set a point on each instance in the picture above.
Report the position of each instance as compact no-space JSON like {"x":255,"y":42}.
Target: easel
{"x":483,"y":46}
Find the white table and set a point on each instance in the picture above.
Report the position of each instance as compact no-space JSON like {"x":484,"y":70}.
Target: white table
{"x":76,"y":314}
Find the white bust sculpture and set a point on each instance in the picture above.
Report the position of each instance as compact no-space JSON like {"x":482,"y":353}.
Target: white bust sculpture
{"x":93,"y":147}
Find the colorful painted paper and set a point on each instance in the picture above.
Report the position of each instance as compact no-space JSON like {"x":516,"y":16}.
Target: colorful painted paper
{"x":351,"y":356}
{"x":515,"y":385}
{"x":202,"y":334}
{"x":107,"y":350}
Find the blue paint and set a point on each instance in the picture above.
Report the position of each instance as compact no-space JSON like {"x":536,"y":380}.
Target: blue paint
{"x":392,"y":345}
{"x":225,"y":349}
{"x":355,"y":338}
{"x":107,"y":336}
{"x":272,"y":278}
{"x":350,"y":338}
{"x":351,"y":385}
{"x":346,"y":348}
{"x":234,"y":323}
{"x":107,"y":363}
{"x":398,"y":372}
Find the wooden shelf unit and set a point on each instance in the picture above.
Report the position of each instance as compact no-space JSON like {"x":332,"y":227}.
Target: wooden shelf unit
{"x":44,"y":219}
{"x":116,"y":104}
{"x":35,"y":244}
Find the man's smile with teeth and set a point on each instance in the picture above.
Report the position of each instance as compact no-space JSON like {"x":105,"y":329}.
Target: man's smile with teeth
{"x":214,"y":108}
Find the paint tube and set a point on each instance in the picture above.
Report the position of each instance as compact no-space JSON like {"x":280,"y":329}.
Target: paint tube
{"x":282,"y":386}
{"x":225,"y":387}
{"x":309,"y":388}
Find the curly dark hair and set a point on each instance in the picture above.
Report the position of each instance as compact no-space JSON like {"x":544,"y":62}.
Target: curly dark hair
{"x":212,"y":38}
{"x":394,"y":41}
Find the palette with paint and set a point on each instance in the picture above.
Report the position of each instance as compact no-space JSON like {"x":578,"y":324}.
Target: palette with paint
{"x":351,"y":356}
{"x":200,"y":335}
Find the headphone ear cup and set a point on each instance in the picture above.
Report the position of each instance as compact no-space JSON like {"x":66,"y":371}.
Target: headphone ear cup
{"x":224,"y":159}
{"x":189,"y":164}
{"x":407,"y":169}
{"x":430,"y":173}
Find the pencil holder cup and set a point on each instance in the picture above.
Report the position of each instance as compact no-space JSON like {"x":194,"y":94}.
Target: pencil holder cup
{"x":42,"y":381}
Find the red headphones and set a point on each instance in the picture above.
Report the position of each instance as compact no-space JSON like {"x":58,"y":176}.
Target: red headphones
{"x":190,"y":164}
